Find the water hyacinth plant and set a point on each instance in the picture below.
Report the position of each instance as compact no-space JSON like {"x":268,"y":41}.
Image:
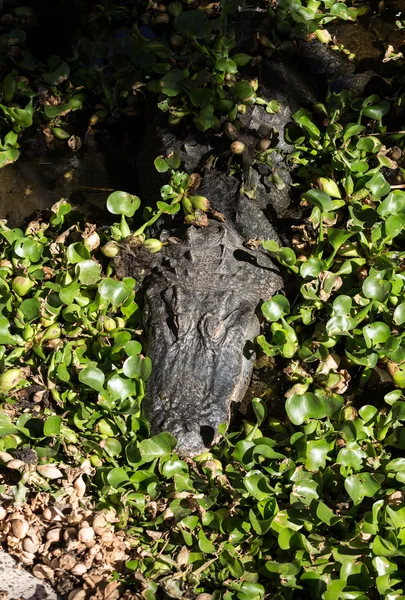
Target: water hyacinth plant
{"x":304,"y":495}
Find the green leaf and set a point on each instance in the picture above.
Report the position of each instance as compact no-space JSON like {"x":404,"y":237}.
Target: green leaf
{"x":31,"y":309}
{"x":302,"y":117}
{"x":257,"y":485}
{"x":360,"y":486}
{"x":77,"y":252}
{"x":340,"y":10}
{"x":352,"y":129}
{"x":93,"y":377}
{"x":28,"y":248}
{"x":60,"y":74}
{"x":173,"y":160}
{"x":311,"y":268}
{"x":325,"y":514}
{"x":122,"y":203}
{"x":52,"y":426}
{"x":376,"y":333}
{"x":376,"y":288}
{"x":317,"y":454}
{"x":351,"y":457}
{"x":173,"y":466}
{"x":117,"y":476}
{"x":121,"y":388}
{"x":156,"y":446}
{"x":9,"y":156}
{"x":394,"y":225}
{"x":112,"y":447}
{"x":378,"y":185}
{"x":88,"y":272}
{"x":301,"y":407}
{"x":243,"y":90}
{"x":193,"y":23}
{"x":399,"y":314}
{"x":340,"y":325}
{"x":171,"y":83}
{"x":241,"y":59}
{"x":161,"y":165}
{"x":393,"y":204}
{"x":276,"y":308}
{"x":205,"y":119}
{"x":226,"y":65}
{"x":8,"y":87}
{"x":205,"y":544}
{"x":319,"y":198}
{"x":377,"y":111}
{"x":115,"y":292}
{"x":168,"y":209}
{"x":138,"y":367}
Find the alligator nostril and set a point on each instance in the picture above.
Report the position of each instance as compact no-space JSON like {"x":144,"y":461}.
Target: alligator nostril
{"x":207,"y":433}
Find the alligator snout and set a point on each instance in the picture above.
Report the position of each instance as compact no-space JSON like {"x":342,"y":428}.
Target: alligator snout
{"x":192,"y":436}
{"x":201,"y":319}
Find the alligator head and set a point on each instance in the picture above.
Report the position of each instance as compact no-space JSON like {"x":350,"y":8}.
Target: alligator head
{"x":200,"y":307}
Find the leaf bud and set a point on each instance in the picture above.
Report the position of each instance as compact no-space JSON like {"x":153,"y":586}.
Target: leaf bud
{"x":230,"y":131}
{"x":153,"y":245}
{"x":9,"y":379}
{"x":238,"y":147}
{"x":111,"y":249}
{"x":329,"y":186}
{"x":22,"y":285}
{"x":200,"y":202}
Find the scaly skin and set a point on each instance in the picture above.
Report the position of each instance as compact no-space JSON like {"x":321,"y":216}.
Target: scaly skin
{"x":201,"y":322}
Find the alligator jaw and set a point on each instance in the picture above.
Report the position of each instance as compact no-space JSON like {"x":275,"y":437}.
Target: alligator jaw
{"x":201,"y":316}
{"x":201,"y":363}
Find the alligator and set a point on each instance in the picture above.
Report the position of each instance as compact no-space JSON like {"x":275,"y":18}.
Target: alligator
{"x":202,"y":293}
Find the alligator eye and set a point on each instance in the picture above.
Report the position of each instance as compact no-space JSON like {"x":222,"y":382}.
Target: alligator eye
{"x":211,"y":327}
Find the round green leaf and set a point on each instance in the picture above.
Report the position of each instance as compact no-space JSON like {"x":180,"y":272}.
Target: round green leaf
{"x":120,"y":387}
{"x":88,"y":272}
{"x":77,"y":252}
{"x":378,"y":185}
{"x":138,"y":367}
{"x":376,"y":289}
{"x":340,"y":325}
{"x":93,"y":377}
{"x":319,"y":198}
{"x":311,"y":268}
{"x":342,"y":305}
{"x":340,"y":10}
{"x":394,"y":225}
{"x":376,"y":333}
{"x":399,"y":314}
{"x":122,"y":203}
{"x":393,"y":204}
{"x":27,"y":248}
{"x":156,"y":446}
{"x":276,"y":308}
{"x":171,"y":83}
{"x":242,"y":90}
{"x":161,"y":165}
{"x":115,"y":292}
{"x":112,"y":447}
{"x":117,"y":476}
{"x":52,"y":426}
{"x":361,"y":485}
{"x":377,"y":111}
{"x":301,"y":407}
{"x":226,"y":65}
{"x":241,"y":59}
{"x":31,"y":309}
